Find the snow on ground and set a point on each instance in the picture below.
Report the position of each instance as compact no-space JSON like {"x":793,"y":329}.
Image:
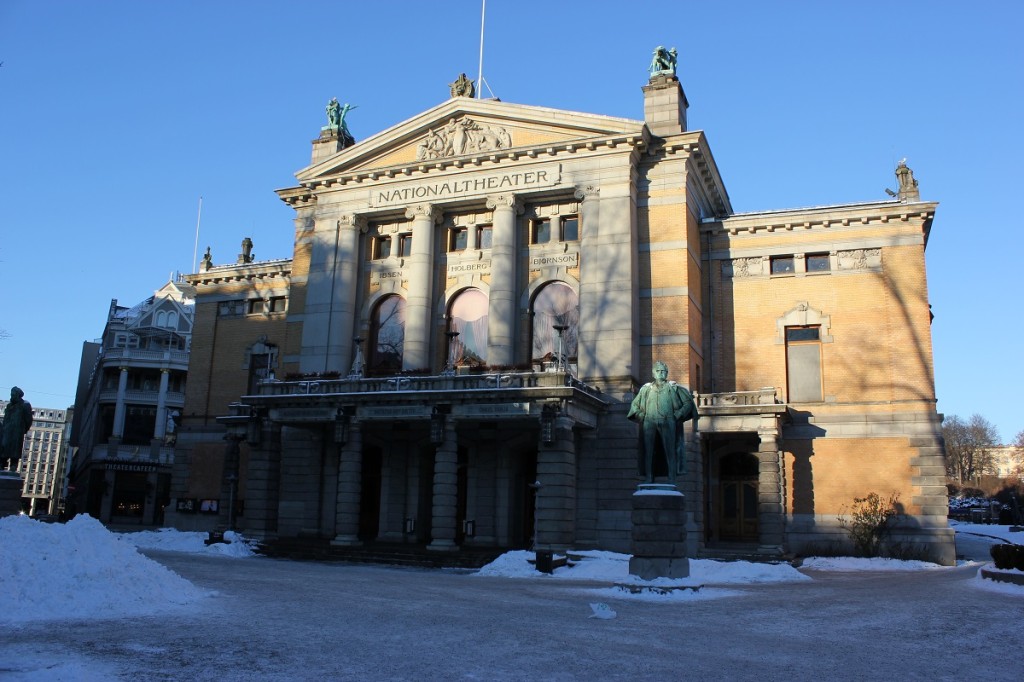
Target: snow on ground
{"x":82,"y":570}
{"x":990,"y":531}
{"x":171,"y":540}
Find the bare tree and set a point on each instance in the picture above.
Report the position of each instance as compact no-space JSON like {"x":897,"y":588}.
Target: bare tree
{"x":969,"y":447}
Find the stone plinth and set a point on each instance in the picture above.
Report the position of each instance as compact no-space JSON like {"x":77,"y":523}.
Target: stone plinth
{"x":659,"y":533}
{"x":10,"y":493}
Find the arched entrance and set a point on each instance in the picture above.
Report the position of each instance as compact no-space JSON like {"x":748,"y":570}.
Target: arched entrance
{"x":737,"y":497}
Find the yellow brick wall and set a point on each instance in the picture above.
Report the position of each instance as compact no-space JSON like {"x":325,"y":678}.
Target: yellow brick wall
{"x":825,"y":475}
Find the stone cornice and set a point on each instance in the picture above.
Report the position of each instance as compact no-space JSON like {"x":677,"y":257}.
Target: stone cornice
{"x":822,"y":217}
{"x":425,"y":168}
{"x":224,"y":274}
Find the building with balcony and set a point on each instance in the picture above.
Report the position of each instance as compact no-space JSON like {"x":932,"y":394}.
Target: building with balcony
{"x":477,"y":293}
{"x":131,"y":391}
{"x":43,"y":466}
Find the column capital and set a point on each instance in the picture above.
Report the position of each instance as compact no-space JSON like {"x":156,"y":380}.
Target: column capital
{"x":353,"y":221}
{"x":586,"y":192}
{"x":431,"y":212}
{"x":505,"y":201}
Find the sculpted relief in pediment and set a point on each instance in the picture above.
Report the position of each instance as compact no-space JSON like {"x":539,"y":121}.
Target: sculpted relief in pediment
{"x":462,"y":136}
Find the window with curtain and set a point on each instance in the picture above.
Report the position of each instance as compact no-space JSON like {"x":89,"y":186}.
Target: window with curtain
{"x":468,"y":317}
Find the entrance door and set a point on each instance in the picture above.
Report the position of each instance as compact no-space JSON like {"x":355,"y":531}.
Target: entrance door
{"x":369,"y":500}
{"x":738,"y":498}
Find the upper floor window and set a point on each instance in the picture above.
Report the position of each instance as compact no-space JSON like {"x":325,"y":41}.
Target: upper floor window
{"x":468,"y":316}
{"x":540,"y":231}
{"x":556,"y":320}
{"x":458,"y":239}
{"x":483,"y":236}
{"x":570,"y":228}
{"x":404,"y":245}
{"x":387,"y":335}
{"x":381,"y":247}
{"x":818,"y":262}
{"x":782,"y":265}
{"x":803,"y":364}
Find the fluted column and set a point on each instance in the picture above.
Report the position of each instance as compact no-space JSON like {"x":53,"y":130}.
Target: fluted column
{"x":419,"y":303}
{"x":501,"y":320}
{"x":344,"y":307}
{"x":350,"y":488}
{"x":161,"y":405}
{"x":444,"y":512}
{"x":590,"y":279}
{"x":119,"y":407}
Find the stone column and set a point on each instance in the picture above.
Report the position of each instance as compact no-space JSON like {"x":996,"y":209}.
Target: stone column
{"x":350,"y":488}
{"x":556,"y":497}
{"x":501,"y":320}
{"x":344,"y":307}
{"x":769,"y":490}
{"x":119,"y":409}
{"x":419,"y":303}
{"x":446,"y":469}
{"x":161,"y":406}
{"x":590,"y":278}
{"x":263,"y":481}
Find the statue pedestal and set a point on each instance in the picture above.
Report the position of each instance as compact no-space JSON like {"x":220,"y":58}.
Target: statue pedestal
{"x":10,"y":493}
{"x":659,"y":533}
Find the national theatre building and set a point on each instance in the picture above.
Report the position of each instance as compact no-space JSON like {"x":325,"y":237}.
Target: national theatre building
{"x":476,"y":295}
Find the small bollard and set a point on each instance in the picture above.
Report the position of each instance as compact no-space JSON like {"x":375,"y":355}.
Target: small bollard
{"x":545,"y":562}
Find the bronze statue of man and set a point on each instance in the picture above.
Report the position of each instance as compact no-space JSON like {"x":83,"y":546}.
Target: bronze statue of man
{"x":17,"y":421}
{"x":661,"y":407}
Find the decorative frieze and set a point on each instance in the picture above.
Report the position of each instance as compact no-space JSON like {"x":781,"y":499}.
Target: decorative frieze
{"x":859,"y":259}
{"x":462,"y":136}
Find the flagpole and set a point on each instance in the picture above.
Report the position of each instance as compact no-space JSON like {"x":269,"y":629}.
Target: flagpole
{"x":480,"y":73}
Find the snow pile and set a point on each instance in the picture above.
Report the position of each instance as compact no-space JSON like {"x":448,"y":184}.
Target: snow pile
{"x":614,"y":567}
{"x":861,"y":564}
{"x":80,"y":570}
{"x":170,"y":540}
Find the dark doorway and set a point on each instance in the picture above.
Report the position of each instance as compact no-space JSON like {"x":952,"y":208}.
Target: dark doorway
{"x":525,"y":505}
{"x":369,"y":500}
{"x":737,"y":499}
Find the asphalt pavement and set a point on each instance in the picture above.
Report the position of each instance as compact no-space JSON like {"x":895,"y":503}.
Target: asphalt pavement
{"x":286,"y":620}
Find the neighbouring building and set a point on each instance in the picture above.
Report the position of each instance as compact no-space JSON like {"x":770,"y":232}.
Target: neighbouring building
{"x":475,"y":295}
{"x":131,"y":391}
{"x":44,"y":460}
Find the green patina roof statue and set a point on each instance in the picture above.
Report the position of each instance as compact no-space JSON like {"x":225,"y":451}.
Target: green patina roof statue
{"x":664,"y":62}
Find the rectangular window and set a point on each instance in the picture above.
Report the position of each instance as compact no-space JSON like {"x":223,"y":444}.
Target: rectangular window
{"x":817,"y":262}
{"x":540,"y":231}
{"x":803,"y":364}
{"x":782,"y":265}
{"x":255,"y":306}
{"x":404,"y":245}
{"x":277,"y":304}
{"x":381,"y":247}
{"x":483,"y":236}
{"x":570,"y":229}
{"x":229,"y":308}
{"x":457,"y":239}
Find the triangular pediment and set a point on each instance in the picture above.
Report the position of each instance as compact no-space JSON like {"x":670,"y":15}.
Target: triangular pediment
{"x":465,"y":127}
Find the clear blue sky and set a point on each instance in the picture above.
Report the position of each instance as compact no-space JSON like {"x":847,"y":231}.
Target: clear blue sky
{"x":115,"y":117}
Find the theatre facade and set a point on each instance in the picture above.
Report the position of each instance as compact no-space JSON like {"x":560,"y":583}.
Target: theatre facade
{"x":476,"y":294}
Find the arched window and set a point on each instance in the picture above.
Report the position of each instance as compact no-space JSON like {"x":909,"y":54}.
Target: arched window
{"x":556,"y":304}
{"x":161,"y":318}
{"x":468,"y":317}
{"x":172,"y":320}
{"x":387,"y":335}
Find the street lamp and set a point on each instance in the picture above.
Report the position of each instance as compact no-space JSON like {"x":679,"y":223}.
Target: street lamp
{"x":449,"y":368}
{"x":560,"y":328}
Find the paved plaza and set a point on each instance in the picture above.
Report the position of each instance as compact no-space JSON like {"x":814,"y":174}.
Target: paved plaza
{"x":278,"y":619}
